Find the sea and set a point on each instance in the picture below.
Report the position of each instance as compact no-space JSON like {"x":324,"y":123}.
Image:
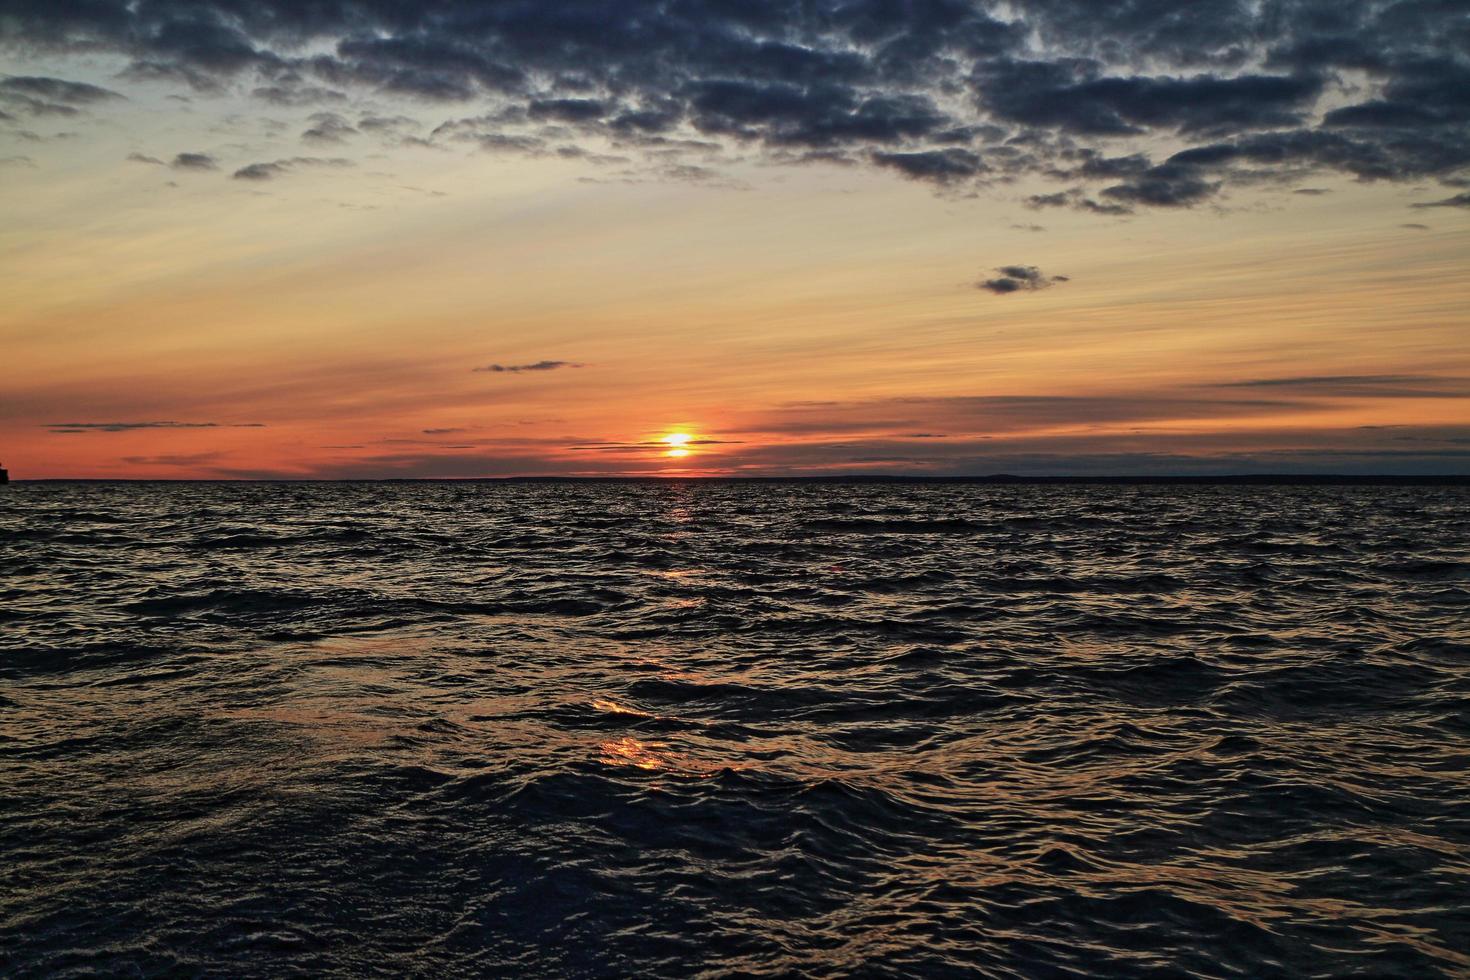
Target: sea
{"x":734,"y":729}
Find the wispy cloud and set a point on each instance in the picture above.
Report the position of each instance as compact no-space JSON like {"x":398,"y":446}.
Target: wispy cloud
{"x":181,"y":459}
{"x":1458,"y":201}
{"x":1362,"y":385}
{"x":522,"y":368}
{"x":277,"y":168}
{"x":74,"y":427}
{"x":621,"y":447}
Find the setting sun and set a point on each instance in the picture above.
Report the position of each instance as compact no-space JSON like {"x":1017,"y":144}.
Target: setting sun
{"x":677,"y":441}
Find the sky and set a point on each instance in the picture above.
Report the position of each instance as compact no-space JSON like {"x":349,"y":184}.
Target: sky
{"x":443,"y":238}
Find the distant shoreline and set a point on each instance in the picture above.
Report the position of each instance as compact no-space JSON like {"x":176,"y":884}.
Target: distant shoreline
{"x":1271,"y":480}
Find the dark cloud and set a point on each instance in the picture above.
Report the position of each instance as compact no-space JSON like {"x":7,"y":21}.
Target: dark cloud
{"x":278,"y":168}
{"x":941,"y":166}
{"x":520,"y":368}
{"x":75,"y":427}
{"x":1018,"y":278}
{"x":144,"y":158}
{"x":194,"y":161}
{"x":1073,"y":97}
{"x":950,"y":92}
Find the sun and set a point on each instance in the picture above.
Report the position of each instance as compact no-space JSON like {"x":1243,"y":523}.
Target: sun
{"x":677,"y":443}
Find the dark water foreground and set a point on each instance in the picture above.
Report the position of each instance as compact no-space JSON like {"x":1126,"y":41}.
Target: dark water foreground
{"x":693,"y":730}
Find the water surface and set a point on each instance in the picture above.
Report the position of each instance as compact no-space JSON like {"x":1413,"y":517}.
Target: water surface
{"x":685,"y":729}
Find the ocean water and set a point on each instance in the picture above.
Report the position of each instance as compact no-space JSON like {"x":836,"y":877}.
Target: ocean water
{"x":686,"y":729}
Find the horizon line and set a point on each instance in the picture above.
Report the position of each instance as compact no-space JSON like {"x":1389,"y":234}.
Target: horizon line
{"x":1407,"y":479}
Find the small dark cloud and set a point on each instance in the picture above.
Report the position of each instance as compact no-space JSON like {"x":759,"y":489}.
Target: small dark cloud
{"x":277,"y":168}
{"x":1458,"y":201}
{"x":442,"y":432}
{"x":1416,"y":226}
{"x":520,"y":368}
{"x":74,"y":427}
{"x":144,"y":158}
{"x":194,"y":161}
{"x":1311,"y":191}
{"x":1078,"y":200}
{"x":1019,"y":278}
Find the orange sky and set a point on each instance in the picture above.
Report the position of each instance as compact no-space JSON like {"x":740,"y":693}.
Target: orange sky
{"x":343,"y":320}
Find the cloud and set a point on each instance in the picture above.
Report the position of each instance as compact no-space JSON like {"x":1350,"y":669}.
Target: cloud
{"x":293,"y":96}
{"x":278,"y":168}
{"x":328,"y":127}
{"x":1458,"y":201}
{"x":76,"y":427}
{"x":393,"y":126}
{"x":17,"y":161}
{"x":954,"y":94}
{"x":520,"y":368}
{"x":182,"y":460}
{"x":144,"y":158}
{"x":654,"y":444}
{"x":1019,"y":278}
{"x":941,"y":166}
{"x":56,"y":90}
{"x":1363,"y":385}
{"x":194,"y":161}
{"x":163,"y":72}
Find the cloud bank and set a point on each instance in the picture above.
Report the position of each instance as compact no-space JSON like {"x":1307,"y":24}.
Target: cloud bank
{"x":1129,"y":105}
